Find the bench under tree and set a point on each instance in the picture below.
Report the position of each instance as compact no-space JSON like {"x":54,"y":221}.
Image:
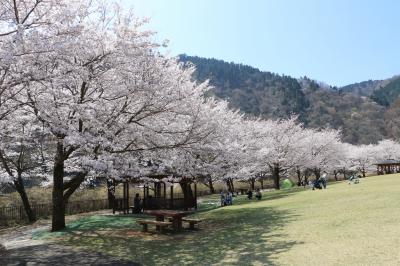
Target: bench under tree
{"x":192,"y":222}
{"x":159,"y":224}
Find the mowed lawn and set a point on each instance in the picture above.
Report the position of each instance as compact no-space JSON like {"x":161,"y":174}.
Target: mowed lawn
{"x":356,"y":224}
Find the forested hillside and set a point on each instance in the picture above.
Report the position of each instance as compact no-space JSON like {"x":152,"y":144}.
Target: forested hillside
{"x":387,"y":94}
{"x":364,"y":111}
{"x":364,"y":88}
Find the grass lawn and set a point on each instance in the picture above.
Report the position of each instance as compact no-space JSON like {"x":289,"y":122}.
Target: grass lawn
{"x":356,"y":224}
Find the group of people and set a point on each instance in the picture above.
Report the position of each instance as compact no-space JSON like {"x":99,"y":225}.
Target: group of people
{"x":320,"y":182}
{"x":226,"y":198}
{"x":250,"y":194}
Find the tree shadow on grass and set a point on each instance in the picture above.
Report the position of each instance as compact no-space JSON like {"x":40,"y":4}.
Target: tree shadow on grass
{"x":233,"y":236}
{"x":227,"y":236}
{"x":52,"y":254}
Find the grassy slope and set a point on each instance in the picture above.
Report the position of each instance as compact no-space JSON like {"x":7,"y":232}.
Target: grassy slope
{"x":343,"y":225}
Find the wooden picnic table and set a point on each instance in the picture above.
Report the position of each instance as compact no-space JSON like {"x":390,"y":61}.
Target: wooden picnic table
{"x":176,"y":216}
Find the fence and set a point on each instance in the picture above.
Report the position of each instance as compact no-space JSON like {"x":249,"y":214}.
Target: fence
{"x":16,"y":214}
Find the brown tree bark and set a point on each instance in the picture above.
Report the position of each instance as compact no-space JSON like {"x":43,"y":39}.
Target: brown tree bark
{"x":110,"y":193}
{"x":211,"y":185}
{"x":58,"y":217}
{"x":298,"y":172}
{"x":276,"y":175}
{"x":19,"y":186}
{"x":187,"y":192}
{"x":252,"y":185}
{"x":230,"y":185}
{"x":317,"y":173}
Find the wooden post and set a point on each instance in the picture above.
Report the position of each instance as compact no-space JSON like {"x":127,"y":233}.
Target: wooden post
{"x":157,"y":189}
{"x":127,"y":198}
{"x":195,"y":195}
{"x":172,"y":196}
{"x":124,"y":197}
{"x":144,"y":196}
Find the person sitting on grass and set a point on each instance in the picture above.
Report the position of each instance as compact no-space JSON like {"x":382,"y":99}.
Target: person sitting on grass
{"x":354,"y":178}
{"x":258,"y":194}
{"x":249,"y":194}
{"x":317,"y":184}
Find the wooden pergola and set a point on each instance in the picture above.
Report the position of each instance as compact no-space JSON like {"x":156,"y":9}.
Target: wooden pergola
{"x":389,"y":166}
{"x":157,"y":194}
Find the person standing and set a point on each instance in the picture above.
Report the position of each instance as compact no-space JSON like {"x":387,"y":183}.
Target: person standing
{"x":137,"y":206}
{"x":323,"y":179}
{"x":222,"y":195}
{"x":229,"y":198}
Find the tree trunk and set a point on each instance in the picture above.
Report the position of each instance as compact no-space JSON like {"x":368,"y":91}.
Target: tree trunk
{"x":232,"y":185}
{"x":19,"y":186}
{"x":252,"y":181}
{"x":275,"y":176}
{"x":211,"y":185}
{"x":298,"y":172}
{"x":335,"y":173}
{"x":229,"y":184}
{"x":344,"y":173}
{"x":363,"y":172}
{"x":110,"y":193}
{"x":187,"y":193}
{"x":306,"y":178}
{"x":58,"y":217}
{"x":262,"y":183}
{"x":317,"y":173}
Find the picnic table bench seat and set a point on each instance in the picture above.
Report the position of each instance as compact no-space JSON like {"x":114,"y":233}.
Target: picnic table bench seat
{"x":158,"y":224}
{"x":192,"y":221}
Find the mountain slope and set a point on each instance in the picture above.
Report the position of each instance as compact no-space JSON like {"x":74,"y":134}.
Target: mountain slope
{"x":274,"y":96}
{"x":249,"y":89}
{"x":387,"y":93}
{"x":365,"y":88}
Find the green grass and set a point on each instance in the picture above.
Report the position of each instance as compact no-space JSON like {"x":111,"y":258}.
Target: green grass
{"x":354,"y":224}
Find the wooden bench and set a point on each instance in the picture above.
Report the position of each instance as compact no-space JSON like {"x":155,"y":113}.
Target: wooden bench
{"x":192,"y":222}
{"x":159,"y":224}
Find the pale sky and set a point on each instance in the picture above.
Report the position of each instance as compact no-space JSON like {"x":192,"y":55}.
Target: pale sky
{"x":334,"y":41}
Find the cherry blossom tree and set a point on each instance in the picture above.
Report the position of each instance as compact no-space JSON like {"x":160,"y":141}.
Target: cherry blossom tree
{"x":102,"y":89}
{"x":362,"y":157}
{"x":23,"y":155}
{"x":22,"y":23}
{"x":279,"y":146}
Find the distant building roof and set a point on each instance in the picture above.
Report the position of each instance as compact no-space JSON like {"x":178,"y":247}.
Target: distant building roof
{"x":388,"y":161}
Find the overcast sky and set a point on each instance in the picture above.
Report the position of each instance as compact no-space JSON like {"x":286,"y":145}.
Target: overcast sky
{"x":335,"y":41}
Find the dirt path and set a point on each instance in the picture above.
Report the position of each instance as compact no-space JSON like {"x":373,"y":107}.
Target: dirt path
{"x":18,"y":248}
